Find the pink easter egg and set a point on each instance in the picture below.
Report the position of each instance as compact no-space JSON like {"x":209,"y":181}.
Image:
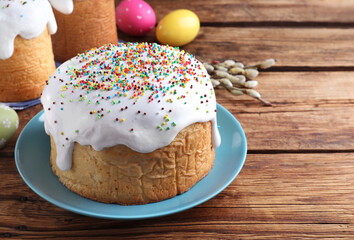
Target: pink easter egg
{"x":135,"y":17}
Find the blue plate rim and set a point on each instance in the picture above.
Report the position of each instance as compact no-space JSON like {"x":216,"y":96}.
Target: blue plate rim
{"x":135,"y":217}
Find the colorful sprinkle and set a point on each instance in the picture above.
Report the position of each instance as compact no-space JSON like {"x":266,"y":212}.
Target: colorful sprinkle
{"x":146,"y":71}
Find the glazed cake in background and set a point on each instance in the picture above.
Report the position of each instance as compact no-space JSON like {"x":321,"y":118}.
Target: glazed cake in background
{"x":131,"y":123}
{"x":89,"y":25}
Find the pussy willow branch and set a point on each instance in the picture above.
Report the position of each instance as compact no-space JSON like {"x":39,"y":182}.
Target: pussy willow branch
{"x":237,"y":78}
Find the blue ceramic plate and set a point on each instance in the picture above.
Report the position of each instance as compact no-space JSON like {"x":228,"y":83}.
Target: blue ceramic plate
{"x":32,"y":160}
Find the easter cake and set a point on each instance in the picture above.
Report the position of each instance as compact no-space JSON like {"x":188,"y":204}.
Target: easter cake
{"x":131,"y":123}
{"x":82,"y":25}
{"x":26,"y":56}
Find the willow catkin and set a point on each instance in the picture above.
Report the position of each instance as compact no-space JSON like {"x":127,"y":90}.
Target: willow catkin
{"x":263,"y":65}
{"x":238,"y":79}
{"x":237,"y":70}
{"x":221,"y":68}
{"x":253,"y":93}
{"x":267,"y":63}
{"x":229,"y":63}
{"x":239,"y":65}
{"x":251,"y":73}
{"x":209,"y":68}
{"x":250,"y":84}
{"x":226,"y":82}
{"x":236,"y":92}
{"x":215,"y":82}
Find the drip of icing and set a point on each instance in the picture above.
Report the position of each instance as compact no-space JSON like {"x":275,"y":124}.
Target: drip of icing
{"x":63,"y":6}
{"x":138,"y":95}
{"x":25,"y":18}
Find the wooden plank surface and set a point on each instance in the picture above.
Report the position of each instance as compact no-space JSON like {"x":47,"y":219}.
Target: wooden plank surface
{"x":236,"y":11}
{"x":292,"y":47}
{"x":198,"y":230}
{"x":283,"y":196}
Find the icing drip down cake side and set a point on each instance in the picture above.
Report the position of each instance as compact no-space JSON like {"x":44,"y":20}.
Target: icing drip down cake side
{"x":131,"y":123}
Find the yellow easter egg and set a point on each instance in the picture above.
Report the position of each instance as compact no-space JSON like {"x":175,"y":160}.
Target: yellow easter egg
{"x":178,"y":28}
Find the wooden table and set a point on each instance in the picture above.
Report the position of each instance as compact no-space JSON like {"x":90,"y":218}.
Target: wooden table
{"x":298,"y":179}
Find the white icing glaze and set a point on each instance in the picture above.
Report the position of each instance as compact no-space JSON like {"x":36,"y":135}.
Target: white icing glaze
{"x":25,"y":18}
{"x":63,"y":6}
{"x":74,"y":113}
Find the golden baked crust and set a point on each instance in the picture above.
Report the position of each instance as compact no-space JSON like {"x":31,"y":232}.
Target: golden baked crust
{"x":121,"y":175}
{"x":91,"y":24}
{"x":23,"y":75}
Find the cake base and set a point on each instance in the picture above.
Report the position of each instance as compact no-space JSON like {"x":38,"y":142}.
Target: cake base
{"x":120,"y":175}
